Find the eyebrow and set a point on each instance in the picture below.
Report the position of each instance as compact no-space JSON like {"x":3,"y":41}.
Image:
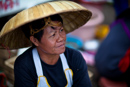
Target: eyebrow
{"x":53,"y":27}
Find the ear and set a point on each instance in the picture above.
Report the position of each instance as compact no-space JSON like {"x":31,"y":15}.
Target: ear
{"x":34,"y":40}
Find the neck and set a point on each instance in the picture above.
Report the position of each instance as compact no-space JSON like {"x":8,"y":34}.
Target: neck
{"x":50,"y":59}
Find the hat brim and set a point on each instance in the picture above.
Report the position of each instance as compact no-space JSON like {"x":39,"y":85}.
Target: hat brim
{"x":73,"y":15}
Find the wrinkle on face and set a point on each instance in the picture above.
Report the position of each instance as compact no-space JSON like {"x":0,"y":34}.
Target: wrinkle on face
{"x":53,"y":39}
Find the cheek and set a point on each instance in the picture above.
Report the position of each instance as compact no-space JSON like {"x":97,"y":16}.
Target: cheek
{"x":64,"y":37}
{"x":51,"y":43}
{"x":47,"y":41}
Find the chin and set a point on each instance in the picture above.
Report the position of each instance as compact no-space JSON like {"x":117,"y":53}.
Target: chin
{"x":61,"y":50}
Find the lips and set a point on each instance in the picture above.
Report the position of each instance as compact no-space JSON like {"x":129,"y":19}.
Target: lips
{"x":62,"y":45}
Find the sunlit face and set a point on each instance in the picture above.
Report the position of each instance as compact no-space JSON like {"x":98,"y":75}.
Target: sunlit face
{"x":53,"y":40}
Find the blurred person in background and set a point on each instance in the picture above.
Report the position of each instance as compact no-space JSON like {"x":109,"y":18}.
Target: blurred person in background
{"x":48,"y":63}
{"x":113,"y":56}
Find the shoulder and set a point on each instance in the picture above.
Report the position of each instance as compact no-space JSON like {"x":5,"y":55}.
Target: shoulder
{"x":79,"y":67}
{"x":24,"y":59}
{"x":69,"y":52}
{"x":74,"y":57}
{"x":24,"y":70}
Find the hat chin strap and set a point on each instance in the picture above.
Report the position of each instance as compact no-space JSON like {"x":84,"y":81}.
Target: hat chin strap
{"x":48,"y":22}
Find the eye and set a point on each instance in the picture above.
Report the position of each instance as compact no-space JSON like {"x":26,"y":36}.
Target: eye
{"x":52,"y":27}
{"x":53,"y":34}
{"x":61,"y":30}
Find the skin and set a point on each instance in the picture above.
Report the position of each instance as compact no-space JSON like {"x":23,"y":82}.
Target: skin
{"x":52,"y":44}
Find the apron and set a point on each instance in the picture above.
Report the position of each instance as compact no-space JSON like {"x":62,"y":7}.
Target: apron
{"x":42,"y":80}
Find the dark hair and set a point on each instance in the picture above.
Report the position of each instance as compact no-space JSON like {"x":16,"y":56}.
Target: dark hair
{"x":38,"y":24}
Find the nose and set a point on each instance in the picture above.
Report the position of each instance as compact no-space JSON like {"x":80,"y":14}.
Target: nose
{"x":60,"y":37}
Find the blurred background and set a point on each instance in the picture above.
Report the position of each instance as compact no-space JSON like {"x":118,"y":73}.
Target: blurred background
{"x":86,"y":39}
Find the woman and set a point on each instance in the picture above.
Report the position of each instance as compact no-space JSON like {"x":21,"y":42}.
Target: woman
{"x":48,"y":62}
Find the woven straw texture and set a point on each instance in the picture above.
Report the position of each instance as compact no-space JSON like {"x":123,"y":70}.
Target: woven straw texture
{"x":73,"y":15}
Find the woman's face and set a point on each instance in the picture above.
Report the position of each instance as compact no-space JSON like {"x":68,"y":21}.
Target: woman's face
{"x":53,"y":39}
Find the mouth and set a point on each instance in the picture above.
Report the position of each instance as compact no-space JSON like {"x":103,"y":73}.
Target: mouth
{"x":62,"y":45}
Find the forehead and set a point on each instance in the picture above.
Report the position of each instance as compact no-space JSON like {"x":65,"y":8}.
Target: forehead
{"x":50,"y":28}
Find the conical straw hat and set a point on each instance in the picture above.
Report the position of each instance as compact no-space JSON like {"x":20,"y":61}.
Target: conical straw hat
{"x":73,"y":15}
